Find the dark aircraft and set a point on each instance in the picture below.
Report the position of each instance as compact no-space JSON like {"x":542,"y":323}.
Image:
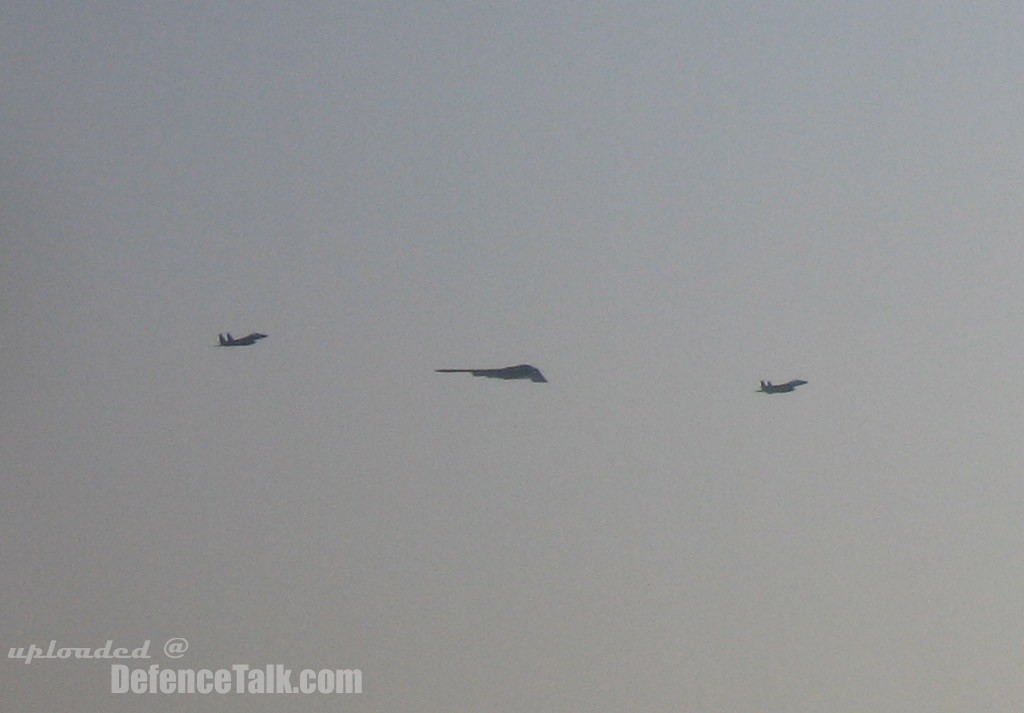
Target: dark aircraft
{"x":768,"y":387}
{"x":241,"y":341}
{"x":520,"y":371}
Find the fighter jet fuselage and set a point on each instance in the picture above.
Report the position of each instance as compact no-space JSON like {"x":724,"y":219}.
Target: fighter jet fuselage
{"x":248,"y":340}
{"x":519,"y":371}
{"x":768,"y":387}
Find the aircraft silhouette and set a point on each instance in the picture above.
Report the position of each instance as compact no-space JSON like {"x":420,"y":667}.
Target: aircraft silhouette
{"x":241,"y":341}
{"x":768,"y":387}
{"x":520,"y":371}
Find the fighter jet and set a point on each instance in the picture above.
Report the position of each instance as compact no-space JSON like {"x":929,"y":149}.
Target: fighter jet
{"x":241,"y":341}
{"x":768,"y":387}
{"x":520,"y":371}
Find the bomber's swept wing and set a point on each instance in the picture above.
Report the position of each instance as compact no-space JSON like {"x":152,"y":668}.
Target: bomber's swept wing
{"x":519,"y":371}
{"x":229,"y":341}
{"x":768,"y":387}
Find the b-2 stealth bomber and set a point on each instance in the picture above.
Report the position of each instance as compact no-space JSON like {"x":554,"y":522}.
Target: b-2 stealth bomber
{"x":520,"y":371}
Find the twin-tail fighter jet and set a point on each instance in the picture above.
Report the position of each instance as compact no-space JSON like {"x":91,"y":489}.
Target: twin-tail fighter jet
{"x":229,"y":341}
{"x":520,"y":371}
{"x":768,"y":387}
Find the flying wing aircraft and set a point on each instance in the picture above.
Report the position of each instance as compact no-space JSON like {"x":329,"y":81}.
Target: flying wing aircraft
{"x":245,"y":341}
{"x":520,"y":371}
{"x":768,"y":387}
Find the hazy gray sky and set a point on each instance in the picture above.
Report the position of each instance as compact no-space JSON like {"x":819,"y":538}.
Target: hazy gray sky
{"x":656,"y":203}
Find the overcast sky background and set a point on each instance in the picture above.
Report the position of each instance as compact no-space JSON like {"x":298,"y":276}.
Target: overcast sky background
{"x":658,"y":204}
